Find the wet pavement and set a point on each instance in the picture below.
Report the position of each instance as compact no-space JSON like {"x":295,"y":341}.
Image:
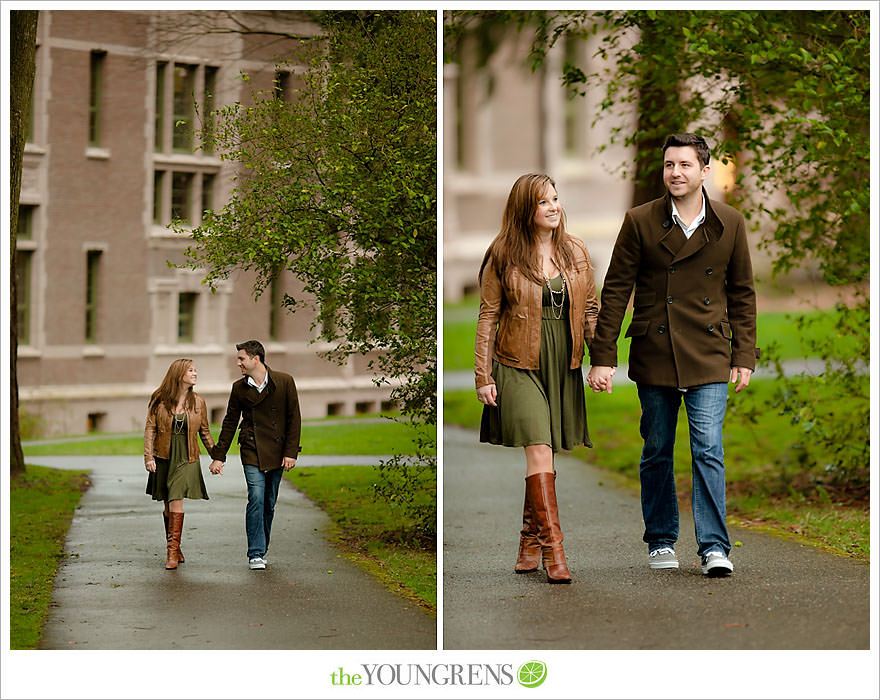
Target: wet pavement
{"x":113,"y":592}
{"x":782,"y":594}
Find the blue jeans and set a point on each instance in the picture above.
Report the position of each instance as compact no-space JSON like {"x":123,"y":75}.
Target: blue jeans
{"x":705,"y":406}
{"x":262,"y":492}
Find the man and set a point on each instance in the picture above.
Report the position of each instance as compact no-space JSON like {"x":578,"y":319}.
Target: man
{"x":266,"y":403}
{"x":693,"y":328}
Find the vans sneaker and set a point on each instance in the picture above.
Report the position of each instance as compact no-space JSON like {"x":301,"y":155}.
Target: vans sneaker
{"x":715,"y":563}
{"x":256,"y":563}
{"x":663,"y":558}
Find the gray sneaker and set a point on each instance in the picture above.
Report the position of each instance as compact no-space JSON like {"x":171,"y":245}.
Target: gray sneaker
{"x":663,"y":558}
{"x":715,"y":563}
{"x":256,"y":563}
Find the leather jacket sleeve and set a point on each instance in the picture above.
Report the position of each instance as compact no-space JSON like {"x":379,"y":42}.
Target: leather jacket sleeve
{"x":149,"y":437}
{"x":487,"y":324}
{"x":205,"y":428}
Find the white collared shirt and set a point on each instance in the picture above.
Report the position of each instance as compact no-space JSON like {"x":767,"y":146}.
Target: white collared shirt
{"x":259,"y":387}
{"x":689,"y":230}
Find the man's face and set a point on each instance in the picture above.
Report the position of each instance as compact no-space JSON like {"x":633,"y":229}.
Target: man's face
{"x":682,"y":174}
{"x":246,"y":363}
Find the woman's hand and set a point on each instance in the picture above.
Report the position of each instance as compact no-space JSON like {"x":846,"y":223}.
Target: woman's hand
{"x":488,"y":394}
{"x":150,"y":466}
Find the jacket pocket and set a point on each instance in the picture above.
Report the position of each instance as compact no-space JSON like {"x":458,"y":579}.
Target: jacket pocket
{"x":725,"y":330}
{"x":644,"y":298}
{"x":637,"y":328}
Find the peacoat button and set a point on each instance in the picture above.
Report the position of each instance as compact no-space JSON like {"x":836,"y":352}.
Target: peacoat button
{"x":708,"y":270}
{"x":667,"y":223}
{"x":672,"y":269}
{"x":707,"y":301}
{"x":669,"y":300}
{"x":661,"y":329}
{"x":710,"y":328}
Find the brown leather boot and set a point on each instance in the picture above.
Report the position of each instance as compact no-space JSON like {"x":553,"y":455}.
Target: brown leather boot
{"x":541,"y":492}
{"x":529,"y":549}
{"x":180,"y":551}
{"x":175,"y":528}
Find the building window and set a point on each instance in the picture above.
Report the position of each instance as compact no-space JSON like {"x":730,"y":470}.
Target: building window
{"x":208,"y":106}
{"x":25,"y":222}
{"x":96,"y":70}
{"x":95,"y":422}
{"x":23,"y":260}
{"x":159,"y":124}
{"x":181,"y":195}
{"x":184,"y":84}
{"x":93,"y":262}
{"x":158,"y":186}
{"x":207,"y":193}
{"x":186,"y":314}
{"x":282,"y":84}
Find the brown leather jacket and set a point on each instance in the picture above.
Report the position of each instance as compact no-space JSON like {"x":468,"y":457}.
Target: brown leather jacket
{"x":157,"y":434}
{"x":509,"y":324}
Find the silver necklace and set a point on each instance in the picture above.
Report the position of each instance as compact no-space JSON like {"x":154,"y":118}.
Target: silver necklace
{"x":553,"y":296}
{"x":178,"y":424}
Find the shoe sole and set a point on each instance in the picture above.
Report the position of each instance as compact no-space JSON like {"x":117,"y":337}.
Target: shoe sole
{"x":717,"y":571}
{"x":664,"y":565}
{"x":257,"y":568}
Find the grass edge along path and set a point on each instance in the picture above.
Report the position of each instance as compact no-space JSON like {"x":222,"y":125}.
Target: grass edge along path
{"x":42,"y":502}
{"x":368,"y":533}
{"x":613,"y":421}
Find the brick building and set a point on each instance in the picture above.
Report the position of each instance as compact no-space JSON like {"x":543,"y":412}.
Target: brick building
{"x":110,"y":159}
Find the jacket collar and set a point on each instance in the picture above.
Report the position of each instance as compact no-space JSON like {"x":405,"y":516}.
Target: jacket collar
{"x":711,"y":229}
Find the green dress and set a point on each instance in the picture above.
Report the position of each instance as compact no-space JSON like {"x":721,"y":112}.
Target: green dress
{"x":545,"y":406}
{"x":175,"y":477}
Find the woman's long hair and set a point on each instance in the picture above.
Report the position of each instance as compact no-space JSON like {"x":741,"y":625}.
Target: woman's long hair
{"x":515,"y":246}
{"x":168,"y":391}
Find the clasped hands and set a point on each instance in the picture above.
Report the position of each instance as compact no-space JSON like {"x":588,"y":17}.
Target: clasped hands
{"x":216,"y":467}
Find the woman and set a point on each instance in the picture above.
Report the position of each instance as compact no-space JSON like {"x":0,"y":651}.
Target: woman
{"x":176,"y":415}
{"x":537,"y":307}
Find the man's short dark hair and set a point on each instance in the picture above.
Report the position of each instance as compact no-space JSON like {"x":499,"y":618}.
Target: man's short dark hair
{"x":254,"y":348}
{"x":695,"y":140}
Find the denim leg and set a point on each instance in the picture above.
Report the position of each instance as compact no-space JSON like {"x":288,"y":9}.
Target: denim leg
{"x":705,"y":407}
{"x":253,"y":518}
{"x":660,"y":407}
{"x":273,"y":480}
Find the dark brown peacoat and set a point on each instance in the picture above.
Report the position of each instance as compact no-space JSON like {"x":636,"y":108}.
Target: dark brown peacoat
{"x":694,"y":307}
{"x":270,"y":422}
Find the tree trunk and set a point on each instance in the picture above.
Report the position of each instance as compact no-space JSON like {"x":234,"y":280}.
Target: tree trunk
{"x":22,"y":55}
{"x":654,"y":104}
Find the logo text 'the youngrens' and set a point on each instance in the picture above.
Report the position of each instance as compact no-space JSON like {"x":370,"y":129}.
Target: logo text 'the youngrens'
{"x":426,"y":674}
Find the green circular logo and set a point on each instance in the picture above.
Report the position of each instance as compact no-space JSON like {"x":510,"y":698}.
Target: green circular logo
{"x":532,"y":673}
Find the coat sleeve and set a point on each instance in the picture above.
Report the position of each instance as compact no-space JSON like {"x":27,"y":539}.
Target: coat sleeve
{"x":149,"y":437}
{"x":230,"y":424}
{"x":741,"y":304}
{"x":294,"y":422}
{"x":487,"y":324}
{"x":591,"y":303}
{"x":616,"y":290}
{"x":205,"y":427}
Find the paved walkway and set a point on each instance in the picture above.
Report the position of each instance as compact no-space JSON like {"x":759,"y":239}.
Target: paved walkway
{"x":782,"y":595}
{"x":112,"y":590}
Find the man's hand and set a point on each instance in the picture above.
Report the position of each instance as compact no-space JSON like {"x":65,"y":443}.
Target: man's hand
{"x":600,"y":378}
{"x":216,"y":467}
{"x":744,"y":376}
{"x":488,"y":394}
{"x":288,"y":463}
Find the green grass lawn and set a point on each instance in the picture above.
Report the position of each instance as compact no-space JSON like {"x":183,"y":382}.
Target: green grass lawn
{"x":354,"y":437}
{"x":371,"y":533}
{"x":41,"y":505}
{"x":761,"y":463}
